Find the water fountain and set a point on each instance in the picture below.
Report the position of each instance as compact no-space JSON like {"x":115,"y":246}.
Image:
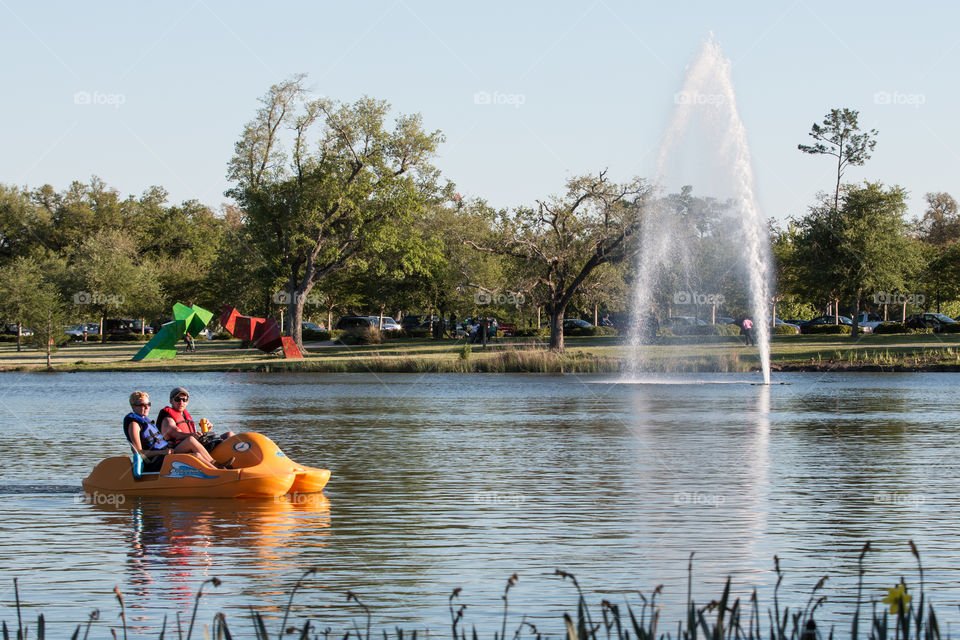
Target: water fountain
{"x":687,"y":258}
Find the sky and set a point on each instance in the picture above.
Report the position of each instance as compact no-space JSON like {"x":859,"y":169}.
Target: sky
{"x":528,"y":94}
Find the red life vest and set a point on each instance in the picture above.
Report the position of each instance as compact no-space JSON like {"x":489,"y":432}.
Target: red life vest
{"x":184,"y":421}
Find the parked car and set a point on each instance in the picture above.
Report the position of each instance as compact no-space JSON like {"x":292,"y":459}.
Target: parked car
{"x":935,"y":321}
{"x":388,"y":324}
{"x":11,"y":328}
{"x":355,"y":322}
{"x":822,"y":320}
{"x":684,"y":321}
{"x":310,"y":326}
{"x":575,"y":323}
{"x":869,"y":321}
{"x":124,"y":326}
{"x":93,"y":329}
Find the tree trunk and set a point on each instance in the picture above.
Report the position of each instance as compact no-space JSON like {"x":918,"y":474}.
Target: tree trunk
{"x":19,"y":332}
{"x":556,"y":329}
{"x":856,"y":317}
{"x":295,"y":317}
{"x":596,"y":308}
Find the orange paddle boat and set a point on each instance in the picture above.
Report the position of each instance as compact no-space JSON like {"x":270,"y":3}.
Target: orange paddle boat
{"x":259,"y":470}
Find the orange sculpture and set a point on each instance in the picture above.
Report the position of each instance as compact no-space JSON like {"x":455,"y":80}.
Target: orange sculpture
{"x":264,"y":333}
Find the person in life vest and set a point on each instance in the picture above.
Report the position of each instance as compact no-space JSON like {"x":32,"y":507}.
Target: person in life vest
{"x":147,"y":438}
{"x":175,"y":421}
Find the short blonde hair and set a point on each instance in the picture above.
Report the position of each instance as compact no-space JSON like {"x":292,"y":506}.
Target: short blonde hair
{"x":138,"y":397}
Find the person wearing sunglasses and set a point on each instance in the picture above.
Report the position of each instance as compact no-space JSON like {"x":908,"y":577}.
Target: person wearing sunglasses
{"x":176,"y":423}
{"x":147,"y":439}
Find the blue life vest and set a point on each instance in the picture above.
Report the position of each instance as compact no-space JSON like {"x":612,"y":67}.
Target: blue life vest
{"x":150,"y":436}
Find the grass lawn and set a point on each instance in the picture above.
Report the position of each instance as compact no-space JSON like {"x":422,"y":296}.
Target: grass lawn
{"x":595,"y":354}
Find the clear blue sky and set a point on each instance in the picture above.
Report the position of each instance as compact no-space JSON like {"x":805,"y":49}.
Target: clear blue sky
{"x":582,"y":85}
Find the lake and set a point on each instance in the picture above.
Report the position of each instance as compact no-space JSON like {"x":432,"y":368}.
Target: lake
{"x":446,"y":481}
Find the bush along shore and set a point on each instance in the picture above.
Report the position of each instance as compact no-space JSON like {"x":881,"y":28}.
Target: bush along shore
{"x":903,"y":615}
{"x":593,"y":354}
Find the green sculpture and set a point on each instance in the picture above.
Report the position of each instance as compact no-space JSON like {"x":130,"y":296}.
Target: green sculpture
{"x":163,"y":346}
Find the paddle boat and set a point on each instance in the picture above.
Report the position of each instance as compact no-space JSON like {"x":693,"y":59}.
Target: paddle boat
{"x":259,"y":470}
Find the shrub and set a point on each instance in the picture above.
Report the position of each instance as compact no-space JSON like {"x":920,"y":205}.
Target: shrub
{"x":361,"y":335}
{"x":127,"y":337}
{"x":950,"y":328}
{"x":891,"y":327}
{"x":784,"y":330}
{"x":589,"y":331}
{"x":707,"y":330}
{"x":532,"y":332}
{"x":414,"y":333}
{"x":222,"y":335}
{"x":829,"y":329}
{"x":317,"y":336}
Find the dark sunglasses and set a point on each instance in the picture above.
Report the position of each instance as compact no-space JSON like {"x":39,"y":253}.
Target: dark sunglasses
{"x":183,"y":398}
{"x":145,"y":404}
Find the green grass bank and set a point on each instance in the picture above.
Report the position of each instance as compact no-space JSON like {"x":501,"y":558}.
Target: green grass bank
{"x":914,"y":352}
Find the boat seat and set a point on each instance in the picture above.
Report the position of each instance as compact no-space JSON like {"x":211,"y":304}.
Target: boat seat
{"x":142,"y":468}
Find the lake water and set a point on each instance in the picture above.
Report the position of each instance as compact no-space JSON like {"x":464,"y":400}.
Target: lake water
{"x":446,"y":481}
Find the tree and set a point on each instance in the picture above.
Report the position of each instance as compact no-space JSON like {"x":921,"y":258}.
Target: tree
{"x":109,"y":277}
{"x":563,"y":240}
{"x":862,"y":247}
{"x":839,"y":136}
{"x":316,"y":209}
{"x":47,"y":317}
{"x":940,"y":224}
{"x":19,"y":293}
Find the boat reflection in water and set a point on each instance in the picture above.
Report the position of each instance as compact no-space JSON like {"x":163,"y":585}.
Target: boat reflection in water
{"x":177,"y":544}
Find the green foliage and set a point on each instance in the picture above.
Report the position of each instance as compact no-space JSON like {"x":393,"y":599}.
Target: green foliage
{"x":338,"y":198}
{"x":361,"y":336}
{"x":465,"y":351}
{"x":533,"y":332}
{"x":847,"y":252}
{"x":590,"y":331}
{"x":322,"y":336}
{"x":784,"y":330}
{"x":559,"y":243}
{"x":950,"y":328}
{"x":839,"y":136}
{"x":707,"y":330}
{"x":890,"y":327}
{"x":829,"y":329}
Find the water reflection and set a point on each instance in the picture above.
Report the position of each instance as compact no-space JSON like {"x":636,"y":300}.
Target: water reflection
{"x":459,"y":481}
{"x":176,"y":544}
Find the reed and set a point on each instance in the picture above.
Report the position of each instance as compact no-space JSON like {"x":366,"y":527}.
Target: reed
{"x":907,"y":618}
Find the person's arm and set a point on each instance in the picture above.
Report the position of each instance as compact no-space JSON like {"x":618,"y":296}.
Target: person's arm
{"x":169,"y":431}
{"x":134,"y":432}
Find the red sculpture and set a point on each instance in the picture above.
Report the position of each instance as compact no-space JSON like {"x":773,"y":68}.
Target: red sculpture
{"x":264,"y":333}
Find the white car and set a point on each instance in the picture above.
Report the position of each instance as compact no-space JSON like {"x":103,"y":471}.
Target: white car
{"x":93,"y":329}
{"x":869,"y":322}
{"x":389,"y":324}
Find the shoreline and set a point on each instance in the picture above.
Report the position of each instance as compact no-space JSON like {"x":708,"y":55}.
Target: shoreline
{"x":792,"y":354}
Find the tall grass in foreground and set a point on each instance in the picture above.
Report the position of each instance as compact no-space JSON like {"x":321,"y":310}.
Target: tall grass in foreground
{"x":717,"y":620}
